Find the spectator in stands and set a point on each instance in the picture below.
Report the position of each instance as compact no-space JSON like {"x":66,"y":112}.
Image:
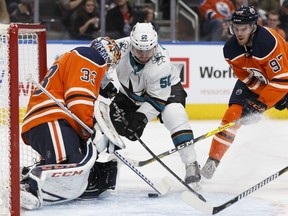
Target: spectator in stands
{"x":215,"y":15}
{"x":86,"y":24}
{"x":24,"y":12}
{"x":268,"y":5}
{"x":119,"y":19}
{"x":145,"y":15}
{"x":68,"y":10}
{"x":284,"y":17}
{"x":150,"y":17}
{"x":239,"y":3}
{"x":4,"y":15}
{"x":12,"y":5}
{"x":262,"y":14}
{"x":165,"y":9}
{"x":274,"y":22}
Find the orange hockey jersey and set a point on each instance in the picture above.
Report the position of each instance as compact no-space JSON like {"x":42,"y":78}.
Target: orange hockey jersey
{"x":216,"y":9}
{"x":263,"y":67}
{"x":74,"y":80}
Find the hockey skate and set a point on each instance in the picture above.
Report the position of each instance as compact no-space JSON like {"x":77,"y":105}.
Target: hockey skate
{"x":209,"y":168}
{"x":29,"y":194}
{"x":193,"y":176}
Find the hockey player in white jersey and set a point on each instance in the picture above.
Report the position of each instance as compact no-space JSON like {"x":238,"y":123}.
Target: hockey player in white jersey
{"x":149,"y":88}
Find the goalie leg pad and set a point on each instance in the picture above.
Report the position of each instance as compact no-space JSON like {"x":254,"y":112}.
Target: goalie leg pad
{"x":102,"y":177}
{"x":56,"y":183}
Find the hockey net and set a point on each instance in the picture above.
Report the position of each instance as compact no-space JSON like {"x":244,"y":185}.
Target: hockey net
{"x":22,"y":51}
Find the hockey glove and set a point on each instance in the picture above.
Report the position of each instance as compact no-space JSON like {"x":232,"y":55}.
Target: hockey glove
{"x":251,"y":111}
{"x":282,"y":104}
{"x":101,"y":141}
{"x":109,"y":91}
{"x":136,"y":124}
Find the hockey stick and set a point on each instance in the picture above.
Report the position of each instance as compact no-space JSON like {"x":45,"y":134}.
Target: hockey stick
{"x":183,"y":145}
{"x":162,"y":188}
{"x":208,"y":209}
{"x":153,"y":155}
{"x":30,"y":78}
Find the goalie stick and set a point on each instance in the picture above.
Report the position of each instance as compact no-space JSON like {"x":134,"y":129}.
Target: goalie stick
{"x":191,"y":200}
{"x":179,"y":147}
{"x":161,"y":188}
{"x":154,"y":156}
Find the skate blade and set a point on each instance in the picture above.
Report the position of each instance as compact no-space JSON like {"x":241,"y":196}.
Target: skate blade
{"x":195,"y":186}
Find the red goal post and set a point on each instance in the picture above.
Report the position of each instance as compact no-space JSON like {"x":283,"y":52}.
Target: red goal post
{"x":22,"y":51}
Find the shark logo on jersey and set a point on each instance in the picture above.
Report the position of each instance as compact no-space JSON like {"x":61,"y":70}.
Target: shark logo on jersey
{"x":158,"y":58}
{"x":258,"y":74}
{"x":118,"y":115}
{"x":124,"y":45}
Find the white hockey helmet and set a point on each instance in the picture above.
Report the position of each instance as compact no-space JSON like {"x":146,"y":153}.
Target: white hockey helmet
{"x":144,"y":40}
{"x":143,"y":36}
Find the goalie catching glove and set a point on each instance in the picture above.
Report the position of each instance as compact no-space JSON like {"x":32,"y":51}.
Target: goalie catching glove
{"x":251,"y":111}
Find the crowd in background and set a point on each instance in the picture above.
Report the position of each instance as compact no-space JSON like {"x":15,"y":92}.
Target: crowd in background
{"x":80,"y":19}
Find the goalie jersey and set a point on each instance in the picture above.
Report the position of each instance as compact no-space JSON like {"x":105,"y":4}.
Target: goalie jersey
{"x":148,"y":85}
{"x":74,"y":80}
{"x":262,"y":67}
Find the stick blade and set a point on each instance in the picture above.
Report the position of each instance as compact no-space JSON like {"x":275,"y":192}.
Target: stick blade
{"x":192,"y":200}
{"x":164,"y":185}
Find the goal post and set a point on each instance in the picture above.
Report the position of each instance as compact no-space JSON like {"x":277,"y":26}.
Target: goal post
{"x":22,"y":51}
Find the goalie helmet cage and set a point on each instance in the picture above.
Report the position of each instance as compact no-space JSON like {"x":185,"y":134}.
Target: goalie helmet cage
{"x":22,"y":51}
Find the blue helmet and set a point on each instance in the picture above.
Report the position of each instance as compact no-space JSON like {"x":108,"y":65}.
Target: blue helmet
{"x":244,"y":15}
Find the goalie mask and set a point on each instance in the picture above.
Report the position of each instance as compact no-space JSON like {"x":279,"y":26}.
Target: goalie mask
{"x":108,"y":49}
{"x":144,"y":40}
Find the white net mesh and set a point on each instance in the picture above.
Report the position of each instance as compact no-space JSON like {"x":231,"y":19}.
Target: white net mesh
{"x":4,"y":123}
{"x":28,"y":60}
{"x":28,"y":63}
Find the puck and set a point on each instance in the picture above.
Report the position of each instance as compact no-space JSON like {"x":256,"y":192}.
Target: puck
{"x":153,"y":195}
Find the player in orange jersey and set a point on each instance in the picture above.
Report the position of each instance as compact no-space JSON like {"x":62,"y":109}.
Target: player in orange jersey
{"x":68,"y":166}
{"x":74,"y":80}
{"x":215,"y":14}
{"x":259,"y":59}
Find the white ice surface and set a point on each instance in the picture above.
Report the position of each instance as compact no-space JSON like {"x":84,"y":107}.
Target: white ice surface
{"x":258,"y":151}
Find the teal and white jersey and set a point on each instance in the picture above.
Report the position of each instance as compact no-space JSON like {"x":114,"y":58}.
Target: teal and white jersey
{"x":148,"y":85}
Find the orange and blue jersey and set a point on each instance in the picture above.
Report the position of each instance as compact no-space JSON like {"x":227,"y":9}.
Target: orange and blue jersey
{"x":74,"y":80}
{"x":262,"y":67}
{"x":216,"y":9}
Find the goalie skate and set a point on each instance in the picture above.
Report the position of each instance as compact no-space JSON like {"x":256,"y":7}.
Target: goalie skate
{"x":29,"y":201}
{"x":29,"y":193}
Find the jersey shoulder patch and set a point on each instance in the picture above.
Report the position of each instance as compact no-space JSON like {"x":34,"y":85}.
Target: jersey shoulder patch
{"x":264,"y":42}
{"x":91,"y":54}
